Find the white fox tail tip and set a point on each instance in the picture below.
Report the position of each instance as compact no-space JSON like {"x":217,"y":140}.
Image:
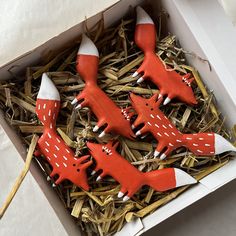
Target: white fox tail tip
{"x":87,"y":47}
{"x":47,"y":89}
{"x":222,"y":145}
{"x":182,"y":178}
{"x":143,"y":17}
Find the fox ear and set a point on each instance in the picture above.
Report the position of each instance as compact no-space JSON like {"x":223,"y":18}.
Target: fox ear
{"x":154,"y":98}
{"x":191,"y":80}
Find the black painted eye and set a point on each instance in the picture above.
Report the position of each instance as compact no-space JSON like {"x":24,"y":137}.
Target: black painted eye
{"x":74,"y":165}
{"x":103,"y":150}
{"x":107,"y":153}
{"x":151,"y":109}
{"x":78,"y":170}
{"x":146,"y":104}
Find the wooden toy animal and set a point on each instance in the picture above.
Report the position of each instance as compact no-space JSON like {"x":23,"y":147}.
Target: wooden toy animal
{"x":170,"y":83}
{"x":167,"y":135}
{"x":108,"y":113}
{"x":131,"y":179}
{"x":58,"y":154}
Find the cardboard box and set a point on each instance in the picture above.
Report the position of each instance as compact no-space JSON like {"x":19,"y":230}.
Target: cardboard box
{"x":197,"y":32}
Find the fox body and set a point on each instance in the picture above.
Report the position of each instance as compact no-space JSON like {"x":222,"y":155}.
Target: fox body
{"x":131,"y":179}
{"x":170,"y":83}
{"x":167,"y":135}
{"x":58,"y":154}
{"x":107,"y":112}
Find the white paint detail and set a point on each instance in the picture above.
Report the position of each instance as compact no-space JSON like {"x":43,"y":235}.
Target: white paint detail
{"x":140,"y":80}
{"x":159,"y":117}
{"x":102,"y":134}
{"x":50,"y":125}
{"x":54,"y":155}
{"x":173,"y":133}
{"x":199,"y":151}
{"x":170,"y":144}
{"x":44,"y":118}
{"x":149,"y":123}
{"x":222,"y":145}
{"x":125,"y":199}
{"x":67,"y":150}
{"x":46,"y":150}
{"x":47,"y":143}
{"x":49,"y":112}
{"x":152,"y":116}
{"x":65,"y":158}
{"x":87,"y":47}
{"x":96,"y":128}
{"x":75,"y":100}
{"x":207,"y":145}
{"x":47,"y":89}
{"x":143,"y":17}
{"x":120,"y":194}
{"x":179,"y":141}
{"x":163,"y":156}
{"x":182,"y":178}
{"x":157,"y":125}
{"x":166,"y":134}
{"x":49,"y":135}
{"x":44,"y":106}
{"x":93,"y":172}
{"x":135,"y":74}
{"x":57,"y":147}
{"x":138,"y":133}
{"x":78,"y":106}
{"x":57,"y":164}
{"x":58,"y":140}
{"x":64,"y":164}
{"x":164,"y":126}
{"x":98,"y":178}
{"x":132,"y":126}
{"x":156,"y":153}
{"x":39,"y":107}
{"x":159,"y":134}
{"x":170,"y":124}
{"x":167,"y":100}
{"x":49,"y":160}
{"x":201,"y":138}
{"x":210,"y":134}
{"x":195,"y":144}
{"x":189,"y":138}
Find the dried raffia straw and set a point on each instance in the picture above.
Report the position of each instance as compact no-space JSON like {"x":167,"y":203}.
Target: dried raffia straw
{"x":21,"y":177}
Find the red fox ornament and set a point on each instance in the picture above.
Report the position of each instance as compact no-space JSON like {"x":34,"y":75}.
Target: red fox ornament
{"x":167,"y":135}
{"x":170,"y":83}
{"x":131,"y":179}
{"x":58,"y":154}
{"x":107,"y":112}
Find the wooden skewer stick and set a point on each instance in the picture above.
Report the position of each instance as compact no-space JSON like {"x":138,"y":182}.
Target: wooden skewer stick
{"x":21,"y":177}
